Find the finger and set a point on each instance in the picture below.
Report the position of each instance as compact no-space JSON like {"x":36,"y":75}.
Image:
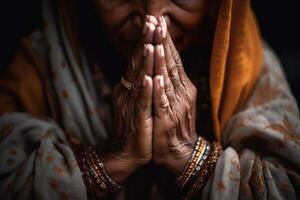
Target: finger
{"x":146,"y":68}
{"x":152,"y":19}
{"x":144,"y":102}
{"x":137,"y":60}
{"x":148,"y":64}
{"x":161,"y":102}
{"x":174,"y":64}
{"x":148,"y":32}
{"x":158,"y":35}
{"x":161,"y":69}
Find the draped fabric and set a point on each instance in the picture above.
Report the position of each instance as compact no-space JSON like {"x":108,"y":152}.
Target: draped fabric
{"x":256,"y":118}
{"x":236,"y":60}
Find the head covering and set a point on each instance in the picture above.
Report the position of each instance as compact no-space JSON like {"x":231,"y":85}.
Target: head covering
{"x":71,"y":78}
{"x":236,"y":60}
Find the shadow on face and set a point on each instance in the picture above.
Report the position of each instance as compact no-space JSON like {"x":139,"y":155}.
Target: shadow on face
{"x":122,"y":20}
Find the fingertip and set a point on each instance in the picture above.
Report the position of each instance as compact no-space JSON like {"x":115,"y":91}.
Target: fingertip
{"x":147,"y":81}
{"x":159,"y":81}
{"x":151,"y":19}
{"x":159,"y":50}
{"x":150,"y":48}
{"x":158,"y":35}
{"x":151,"y":27}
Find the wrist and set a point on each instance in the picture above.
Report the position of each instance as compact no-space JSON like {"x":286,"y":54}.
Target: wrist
{"x":177,"y":164}
{"x":119,"y":167}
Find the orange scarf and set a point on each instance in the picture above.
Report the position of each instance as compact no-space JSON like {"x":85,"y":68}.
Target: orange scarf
{"x":236,"y":60}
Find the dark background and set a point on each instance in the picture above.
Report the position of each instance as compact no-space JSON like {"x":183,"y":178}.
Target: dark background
{"x":279,"y":22}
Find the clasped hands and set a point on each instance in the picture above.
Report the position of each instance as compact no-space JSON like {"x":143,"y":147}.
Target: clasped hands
{"x":155,"y":116}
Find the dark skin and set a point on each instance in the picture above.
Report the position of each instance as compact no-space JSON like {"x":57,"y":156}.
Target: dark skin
{"x":157,"y":118}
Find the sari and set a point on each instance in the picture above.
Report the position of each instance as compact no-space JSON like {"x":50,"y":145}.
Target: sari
{"x":47,"y":98}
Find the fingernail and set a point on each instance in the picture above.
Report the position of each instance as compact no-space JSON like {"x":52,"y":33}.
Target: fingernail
{"x":145,"y":81}
{"x":161,"y":51}
{"x":161,"y":81}
{"x":145,"y":50}
{"x":164,"y":32}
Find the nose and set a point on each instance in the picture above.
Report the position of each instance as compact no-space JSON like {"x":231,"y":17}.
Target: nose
{"x":154,"y":7}
{"x":149,"y":7}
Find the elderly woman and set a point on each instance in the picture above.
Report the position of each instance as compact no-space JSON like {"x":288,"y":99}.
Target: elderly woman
{"x":158,"y":99}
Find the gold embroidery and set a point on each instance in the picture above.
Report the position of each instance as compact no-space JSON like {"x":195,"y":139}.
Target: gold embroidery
{"x":54,"y":184}
{"x":232,"y":177}
{"x":50,"y":158}
{"x":65,"y":94}
{"x":265,"y":93}
{"x":6,"y":130}
{"x":286,"y":128}
{"x":221,"y":185}
{"x":58,"y":170}
{"x":13,"y":151}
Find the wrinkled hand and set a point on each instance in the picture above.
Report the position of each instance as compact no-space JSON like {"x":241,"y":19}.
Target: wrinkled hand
{"x":133,"y":109}
{"x":175,"y":96}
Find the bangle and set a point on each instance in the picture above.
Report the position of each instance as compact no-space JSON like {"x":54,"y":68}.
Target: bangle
{"x":93,"y":172}
{"x":80,"y":156}
{"x":205,"y":172}
{"x":106,"y":183}
{"x":192,"y":162}
{"x":202,"y":159}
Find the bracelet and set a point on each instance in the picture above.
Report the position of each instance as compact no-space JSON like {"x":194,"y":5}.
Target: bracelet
{"x":205,"y":172}
{"x":200,"y":161}
{"x":93,"y":172}
{"x":80,"y":156}
{"x":105,"y":182}
{"x":192,"y":162}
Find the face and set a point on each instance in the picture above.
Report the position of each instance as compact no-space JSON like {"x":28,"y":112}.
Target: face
{"x":123,"y":20}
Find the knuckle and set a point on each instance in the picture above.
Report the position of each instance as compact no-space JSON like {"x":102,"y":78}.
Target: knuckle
{"x":171,"y":132}
{"x":142,"y":103}
{"x":194,"y":90}
{"x":173,"y":72}
{"x":163,"y":102}
{"x":169,"y":91}
{"x":188,"y":107}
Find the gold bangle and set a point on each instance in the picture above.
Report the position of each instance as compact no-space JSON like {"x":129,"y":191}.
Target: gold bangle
{"x":192,"y":162}
{"x":205,"y":172}
{"x":104,"y":182}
